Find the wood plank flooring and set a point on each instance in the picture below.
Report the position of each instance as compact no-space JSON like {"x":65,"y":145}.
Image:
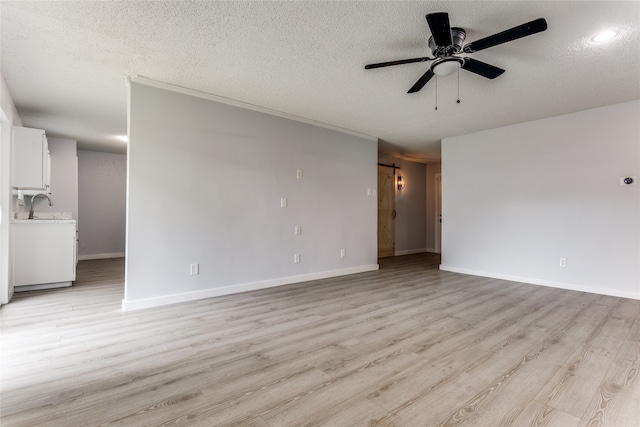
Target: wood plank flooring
{"x":407,"y":345}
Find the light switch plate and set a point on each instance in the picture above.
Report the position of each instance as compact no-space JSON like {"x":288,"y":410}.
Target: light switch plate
{"x":194,"y":269}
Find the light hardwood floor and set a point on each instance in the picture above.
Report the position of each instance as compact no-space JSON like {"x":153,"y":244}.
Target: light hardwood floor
{"x":407,"y":345}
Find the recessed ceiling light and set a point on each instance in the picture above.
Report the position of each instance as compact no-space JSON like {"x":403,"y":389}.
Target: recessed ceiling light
{"x":123,"y":138}
{"x":604,"y":35}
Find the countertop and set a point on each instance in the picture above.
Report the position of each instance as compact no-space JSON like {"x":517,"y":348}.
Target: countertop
{"x":43,"y":218}
{"x":43,"y":221}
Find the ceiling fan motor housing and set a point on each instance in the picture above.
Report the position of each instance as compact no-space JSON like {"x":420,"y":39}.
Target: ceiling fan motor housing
{"x":458,"y":35}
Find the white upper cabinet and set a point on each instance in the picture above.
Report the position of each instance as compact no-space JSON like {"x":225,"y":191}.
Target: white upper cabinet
{"x":30,"y":167}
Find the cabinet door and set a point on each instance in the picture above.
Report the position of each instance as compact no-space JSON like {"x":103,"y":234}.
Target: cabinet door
{"x":29,"y":158}
{"x":46,"y":165}
{"x":43,"y":253}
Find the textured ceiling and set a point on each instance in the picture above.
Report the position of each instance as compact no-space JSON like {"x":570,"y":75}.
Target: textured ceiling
{"x":65,"y":63}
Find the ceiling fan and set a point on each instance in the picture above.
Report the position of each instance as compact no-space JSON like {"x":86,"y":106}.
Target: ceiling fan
{"x":446,"y":43}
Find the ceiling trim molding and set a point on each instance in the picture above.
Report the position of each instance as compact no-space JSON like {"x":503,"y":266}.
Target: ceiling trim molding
{"x":216,"y":98}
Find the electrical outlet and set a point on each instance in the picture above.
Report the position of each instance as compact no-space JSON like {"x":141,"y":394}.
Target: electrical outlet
{"x":283,"y":202}
{"x":297,"y":230}
{"x":368,"y":191}
{"x":374,"y":192}
{"x":343,"y":253}
{"x":296,"y":258}
{"x":299,"y":174}
{"x":563,"y":262}
{"x":194,"y":269}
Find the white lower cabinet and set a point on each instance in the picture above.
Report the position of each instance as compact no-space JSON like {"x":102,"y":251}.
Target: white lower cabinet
{"x":44,"y":252}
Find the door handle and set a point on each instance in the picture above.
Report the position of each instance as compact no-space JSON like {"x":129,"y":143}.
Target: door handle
{"x":394,"y":214}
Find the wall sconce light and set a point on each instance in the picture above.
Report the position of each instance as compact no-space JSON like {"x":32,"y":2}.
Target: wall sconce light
{"x":400,"y":182}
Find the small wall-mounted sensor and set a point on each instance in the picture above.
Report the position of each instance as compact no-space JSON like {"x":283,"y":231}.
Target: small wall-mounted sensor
{"x":628,"y":180}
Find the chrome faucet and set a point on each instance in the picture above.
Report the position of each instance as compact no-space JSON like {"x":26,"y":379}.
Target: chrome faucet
{"x":33,"y":199}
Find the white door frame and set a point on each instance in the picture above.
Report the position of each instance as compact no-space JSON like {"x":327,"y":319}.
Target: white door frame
{"x":438,"y":213}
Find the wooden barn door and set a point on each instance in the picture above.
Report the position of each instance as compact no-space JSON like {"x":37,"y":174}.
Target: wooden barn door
{"x":386,"y":212}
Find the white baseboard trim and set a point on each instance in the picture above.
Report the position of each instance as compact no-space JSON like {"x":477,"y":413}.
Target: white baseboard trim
{"x":543,"y":282}
{"x":101,"y":256}
{"x":25,"y":288}
{"x":244,"y":287}
{"x":411,"y":251}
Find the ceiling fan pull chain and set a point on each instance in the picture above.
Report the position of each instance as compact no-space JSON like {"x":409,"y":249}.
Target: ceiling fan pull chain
{"x":458,"y":101}
{"x":436,"y":93}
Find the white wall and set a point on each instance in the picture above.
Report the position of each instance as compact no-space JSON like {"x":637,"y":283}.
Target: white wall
{"x":410,"y":226}
{"x":205,"y":182}
{"x":101,"y":204}
{"x":8,"y":117}
{"x":518,"y":198}
{"x":8,"y":108}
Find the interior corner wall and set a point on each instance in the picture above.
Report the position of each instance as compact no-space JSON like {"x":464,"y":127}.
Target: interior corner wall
{"x":206,"y":182}
{"x":102,"y":185}
{"x":410,"y":205}
{"x":519,"y":198}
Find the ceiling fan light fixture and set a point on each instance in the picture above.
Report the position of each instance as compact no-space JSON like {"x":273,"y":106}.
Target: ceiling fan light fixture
{"x":604,"y":35}
{"x":446,"y":66}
